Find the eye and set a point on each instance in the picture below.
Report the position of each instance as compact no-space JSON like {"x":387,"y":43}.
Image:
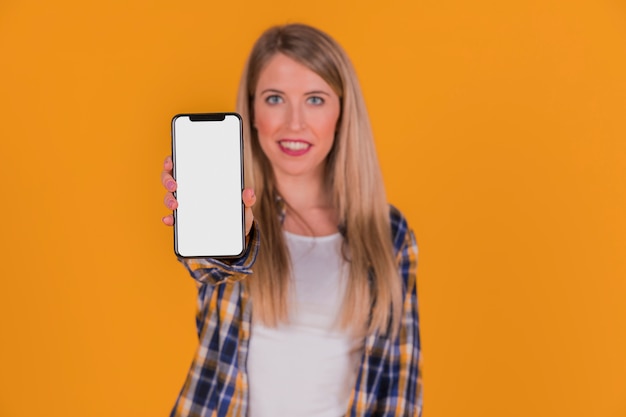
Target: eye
{"x":315,"y":100}
{"x":273,"y":99}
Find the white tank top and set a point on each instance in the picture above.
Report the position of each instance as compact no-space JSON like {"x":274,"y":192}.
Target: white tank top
{"x":308,"y":366}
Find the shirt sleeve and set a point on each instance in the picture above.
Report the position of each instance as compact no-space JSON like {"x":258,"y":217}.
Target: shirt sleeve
{"x":403,"y":376}
{"x":410,"y":357}
{"x":215,"y":271}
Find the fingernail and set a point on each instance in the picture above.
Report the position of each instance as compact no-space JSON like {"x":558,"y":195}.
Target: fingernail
{"x":171,"y":185}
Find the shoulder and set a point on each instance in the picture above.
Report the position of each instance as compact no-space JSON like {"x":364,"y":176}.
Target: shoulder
{"x":397,"y":220}
{"x":401,"y":232}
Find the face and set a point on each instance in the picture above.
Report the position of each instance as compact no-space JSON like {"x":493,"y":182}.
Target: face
{"x":295,"y":115}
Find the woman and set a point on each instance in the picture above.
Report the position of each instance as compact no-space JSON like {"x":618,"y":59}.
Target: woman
{"x":319,"y":316}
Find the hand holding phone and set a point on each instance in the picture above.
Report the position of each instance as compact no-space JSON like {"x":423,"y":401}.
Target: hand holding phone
{"x":206,"y":178}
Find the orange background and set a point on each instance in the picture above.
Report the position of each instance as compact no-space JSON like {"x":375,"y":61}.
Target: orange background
{"x":502,"y":136}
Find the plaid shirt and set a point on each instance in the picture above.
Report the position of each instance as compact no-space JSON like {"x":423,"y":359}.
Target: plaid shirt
{"x":389,"y":382}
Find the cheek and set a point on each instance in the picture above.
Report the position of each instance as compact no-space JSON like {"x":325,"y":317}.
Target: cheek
{"x":264,"y":120}
{"x":327,"y":124}
{"x":264,"y":125}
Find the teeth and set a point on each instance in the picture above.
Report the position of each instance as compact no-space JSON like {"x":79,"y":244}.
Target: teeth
{"x":294,"y":146}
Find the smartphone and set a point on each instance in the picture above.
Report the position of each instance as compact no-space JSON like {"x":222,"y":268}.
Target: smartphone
{"x":207,"y":151}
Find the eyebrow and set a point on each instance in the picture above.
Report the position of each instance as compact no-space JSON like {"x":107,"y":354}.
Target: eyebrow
{"x":273,"y":90}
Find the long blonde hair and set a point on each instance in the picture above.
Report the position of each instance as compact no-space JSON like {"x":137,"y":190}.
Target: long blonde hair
{"x":374,"y":291}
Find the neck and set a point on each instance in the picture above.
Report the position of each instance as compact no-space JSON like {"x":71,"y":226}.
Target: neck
{"x":303,"y":193}
{"x":309,"y":205}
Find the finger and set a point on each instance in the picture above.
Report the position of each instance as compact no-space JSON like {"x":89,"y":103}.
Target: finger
{"x":170,"y":202}
{"x":168,"y":220}
{"x":168,"y":181}
{"x":170,"y":184}
{"x":168,"y":164}
{"x":248,"y":197}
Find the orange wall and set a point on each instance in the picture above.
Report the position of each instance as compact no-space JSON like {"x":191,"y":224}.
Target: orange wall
{"x":502,"y":135}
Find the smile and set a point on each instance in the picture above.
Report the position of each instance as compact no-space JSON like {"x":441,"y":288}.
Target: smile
{"x":294,"y":147}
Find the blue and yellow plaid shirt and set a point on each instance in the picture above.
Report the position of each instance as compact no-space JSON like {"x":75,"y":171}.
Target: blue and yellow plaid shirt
{"x":389,"y":381}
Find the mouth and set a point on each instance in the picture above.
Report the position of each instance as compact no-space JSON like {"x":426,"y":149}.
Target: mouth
{"x":294,"y":147}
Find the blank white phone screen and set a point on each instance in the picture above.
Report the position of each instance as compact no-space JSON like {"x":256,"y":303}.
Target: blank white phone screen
{"x":208,"y":170}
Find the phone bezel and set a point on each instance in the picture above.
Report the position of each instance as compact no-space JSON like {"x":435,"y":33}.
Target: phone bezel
{"x":210,"y":117}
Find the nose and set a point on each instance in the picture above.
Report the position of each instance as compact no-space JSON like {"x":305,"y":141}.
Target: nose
{"x":296,"y":117}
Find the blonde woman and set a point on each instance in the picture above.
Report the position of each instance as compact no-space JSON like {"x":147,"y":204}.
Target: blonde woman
{"x":319,"y":316}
